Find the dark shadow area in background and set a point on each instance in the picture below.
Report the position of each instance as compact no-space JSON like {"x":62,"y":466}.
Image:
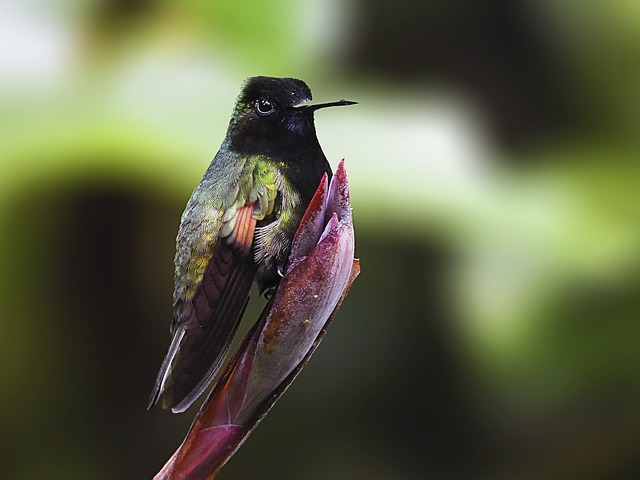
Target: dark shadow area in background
{"x":97,"y":312}
{"x":504,"y":55}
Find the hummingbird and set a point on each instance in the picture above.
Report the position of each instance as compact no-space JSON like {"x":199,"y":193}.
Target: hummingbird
{"x":237,"y":228}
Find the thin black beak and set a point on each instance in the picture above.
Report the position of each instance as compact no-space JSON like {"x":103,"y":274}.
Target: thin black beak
{"x":318,"y":106}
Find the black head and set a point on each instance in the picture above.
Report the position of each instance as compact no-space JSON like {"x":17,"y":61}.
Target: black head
{"x":269,"y":120}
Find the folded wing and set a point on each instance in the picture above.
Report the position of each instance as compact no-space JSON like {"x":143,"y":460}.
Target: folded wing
{"x":201,"y":340}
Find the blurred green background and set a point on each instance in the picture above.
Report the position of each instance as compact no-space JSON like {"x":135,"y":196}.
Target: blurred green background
{"x":493,"y":163}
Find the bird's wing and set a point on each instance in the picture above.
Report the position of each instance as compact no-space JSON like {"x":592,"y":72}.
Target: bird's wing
{"x":214,"y":273}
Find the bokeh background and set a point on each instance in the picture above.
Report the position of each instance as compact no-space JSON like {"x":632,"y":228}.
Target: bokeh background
{"x":493,"y":162}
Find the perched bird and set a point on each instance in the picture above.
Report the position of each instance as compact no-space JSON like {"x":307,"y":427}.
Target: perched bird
{"x":237,"y":228}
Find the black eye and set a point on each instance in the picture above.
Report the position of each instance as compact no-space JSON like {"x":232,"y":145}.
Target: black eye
{"x":264,"y":107}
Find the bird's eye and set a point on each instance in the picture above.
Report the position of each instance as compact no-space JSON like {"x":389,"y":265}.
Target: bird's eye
{"x":264,"y":107}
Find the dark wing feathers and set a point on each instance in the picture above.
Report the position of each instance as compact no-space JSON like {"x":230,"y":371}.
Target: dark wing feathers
{"x":201,"y":342}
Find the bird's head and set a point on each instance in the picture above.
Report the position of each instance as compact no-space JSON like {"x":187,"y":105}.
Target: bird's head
{"x":269,"y":113}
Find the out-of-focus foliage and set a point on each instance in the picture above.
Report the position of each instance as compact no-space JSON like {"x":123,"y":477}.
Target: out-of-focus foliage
{"x":493,"y":165}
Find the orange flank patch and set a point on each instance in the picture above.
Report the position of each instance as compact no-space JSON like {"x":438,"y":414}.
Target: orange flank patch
{"x":242,"y":236}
